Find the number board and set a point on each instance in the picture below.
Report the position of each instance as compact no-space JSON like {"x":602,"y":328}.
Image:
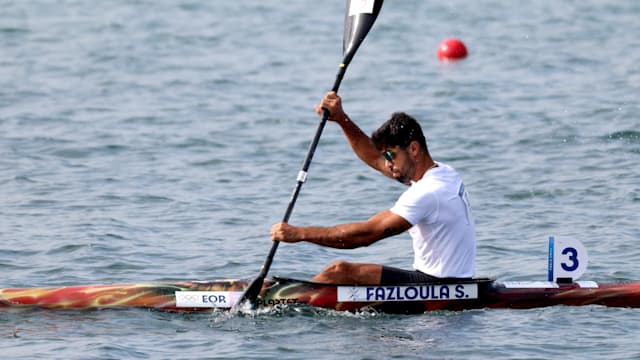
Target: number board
{"x":568,"y":258}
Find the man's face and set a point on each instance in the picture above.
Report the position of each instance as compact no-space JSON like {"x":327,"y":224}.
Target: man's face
{"x":399,"y":164}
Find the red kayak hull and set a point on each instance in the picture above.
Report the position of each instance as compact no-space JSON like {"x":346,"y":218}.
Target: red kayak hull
{"x":406,"y":298}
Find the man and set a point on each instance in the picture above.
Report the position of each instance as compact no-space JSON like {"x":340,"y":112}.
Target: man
{"x":435,"y":209}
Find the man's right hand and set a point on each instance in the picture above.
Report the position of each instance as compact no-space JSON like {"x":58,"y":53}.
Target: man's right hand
{"x":284,"y":232}
{"x":333,"y":103}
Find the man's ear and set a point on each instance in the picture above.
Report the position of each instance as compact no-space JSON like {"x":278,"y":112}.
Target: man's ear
{"x":414,"y":148}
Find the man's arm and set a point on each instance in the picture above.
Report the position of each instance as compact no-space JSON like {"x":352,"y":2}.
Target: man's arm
{"x":344,"y":236}
{"x":359,"y":141}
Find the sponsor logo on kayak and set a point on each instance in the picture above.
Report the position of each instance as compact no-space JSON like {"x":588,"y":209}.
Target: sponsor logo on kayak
{"x":207,"y":299}
{"x":272,"y":302}
{"x":407,"y":293}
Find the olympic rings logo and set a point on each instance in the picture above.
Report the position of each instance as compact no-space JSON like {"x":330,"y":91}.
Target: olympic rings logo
{"x":187,"y":297}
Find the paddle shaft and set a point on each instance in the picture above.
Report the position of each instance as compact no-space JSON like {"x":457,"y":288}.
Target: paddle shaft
{"x":302,"y":175}
{"x":252,"y":292}
{"x":355,"y":32}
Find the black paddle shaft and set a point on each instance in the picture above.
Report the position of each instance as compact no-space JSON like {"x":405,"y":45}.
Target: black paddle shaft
{"x":356,"y":29}
{"x":302,"y":175}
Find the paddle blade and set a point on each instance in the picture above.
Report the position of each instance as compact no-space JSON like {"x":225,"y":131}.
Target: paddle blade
{"x":359,"y":18}
{"x":252,"y":292}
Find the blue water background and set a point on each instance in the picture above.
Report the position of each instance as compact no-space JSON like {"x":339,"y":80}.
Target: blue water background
{"x":159,"y":140}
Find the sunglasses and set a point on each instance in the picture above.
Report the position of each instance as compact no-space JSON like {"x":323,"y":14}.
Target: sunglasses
{"x":389,"y":155}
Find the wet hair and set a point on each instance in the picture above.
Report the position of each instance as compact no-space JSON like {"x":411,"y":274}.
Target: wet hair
{"x":400,"y":130}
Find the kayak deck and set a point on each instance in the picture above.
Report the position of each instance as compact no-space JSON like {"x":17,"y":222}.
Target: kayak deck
{"x":401,"y":298}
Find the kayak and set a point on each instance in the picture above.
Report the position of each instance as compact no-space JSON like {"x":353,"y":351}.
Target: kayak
{"x":567,"y":261}
{"x":477,"y":293}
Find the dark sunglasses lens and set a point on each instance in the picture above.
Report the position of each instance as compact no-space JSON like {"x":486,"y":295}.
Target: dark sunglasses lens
{"x":388,"y":155}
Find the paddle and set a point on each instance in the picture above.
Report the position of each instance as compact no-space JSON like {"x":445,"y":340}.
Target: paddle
{"x":359,"y":18}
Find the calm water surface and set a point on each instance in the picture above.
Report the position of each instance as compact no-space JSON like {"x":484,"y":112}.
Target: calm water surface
{"x":158,"y":140}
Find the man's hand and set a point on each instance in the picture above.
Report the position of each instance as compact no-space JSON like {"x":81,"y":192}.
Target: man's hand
{"x":333,"y":103}
{"x":284,"y":232}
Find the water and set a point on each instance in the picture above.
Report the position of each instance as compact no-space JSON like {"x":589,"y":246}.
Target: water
{"x":146,"y":141}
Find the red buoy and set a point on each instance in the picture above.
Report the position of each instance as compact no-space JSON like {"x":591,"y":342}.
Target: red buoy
{"x":452,"y":49}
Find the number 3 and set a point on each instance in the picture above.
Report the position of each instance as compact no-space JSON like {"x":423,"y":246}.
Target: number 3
{"x":573,"y":257}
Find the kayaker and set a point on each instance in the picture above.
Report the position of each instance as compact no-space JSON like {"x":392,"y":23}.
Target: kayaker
{"x":435,"y":210}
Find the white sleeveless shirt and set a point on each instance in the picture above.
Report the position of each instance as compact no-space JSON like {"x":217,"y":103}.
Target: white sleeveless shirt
{"x":443,"y":232}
